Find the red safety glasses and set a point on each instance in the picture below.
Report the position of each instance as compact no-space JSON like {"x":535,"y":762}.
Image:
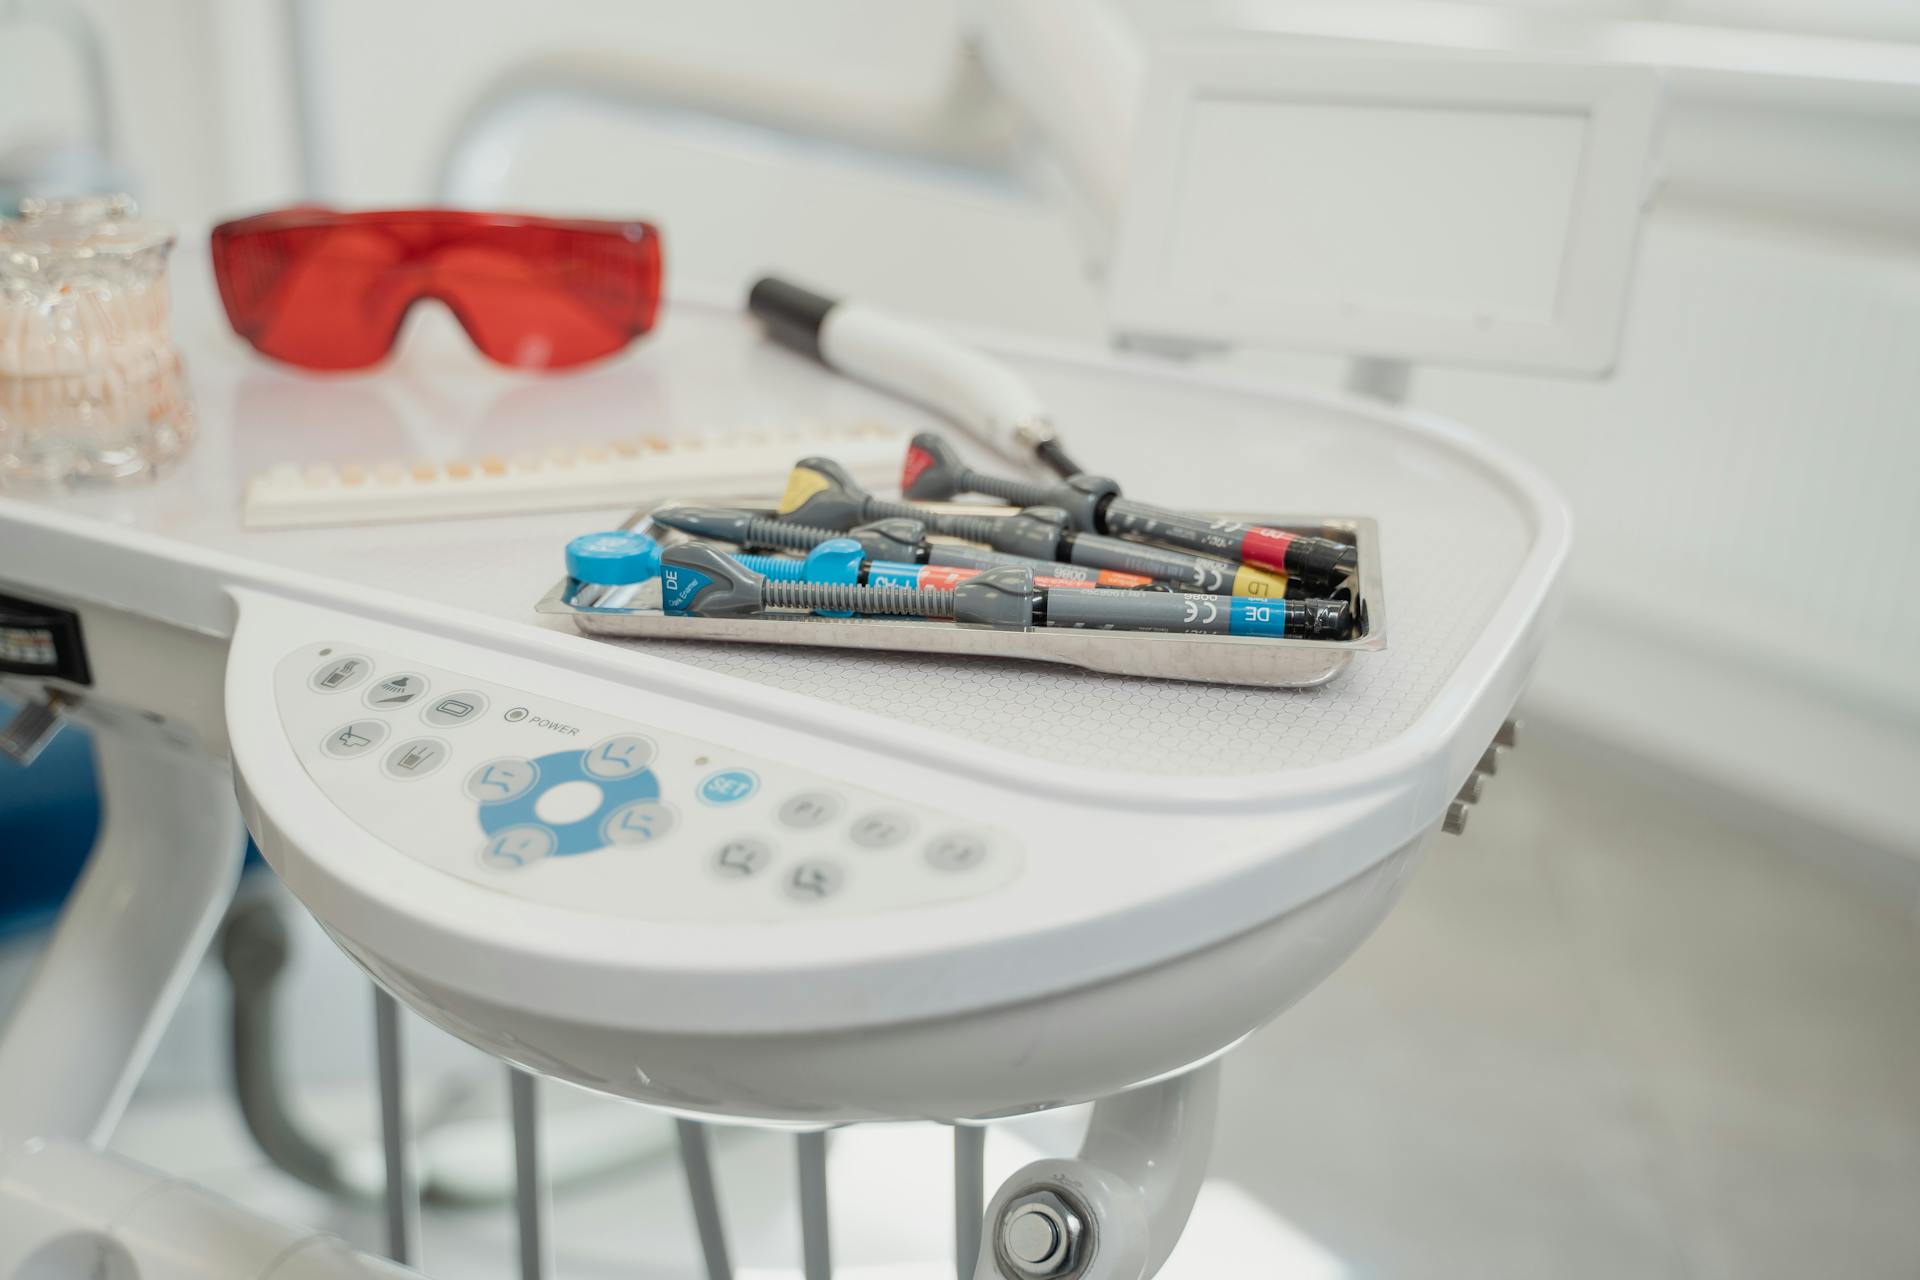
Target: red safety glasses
{"x":328,"y":290}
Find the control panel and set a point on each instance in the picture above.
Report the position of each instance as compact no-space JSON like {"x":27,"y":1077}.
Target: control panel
{"x":41,"y":640}
{"x":575,"y":807}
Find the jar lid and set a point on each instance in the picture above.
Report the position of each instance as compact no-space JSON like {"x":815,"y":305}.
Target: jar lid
{"x":82,"y":227}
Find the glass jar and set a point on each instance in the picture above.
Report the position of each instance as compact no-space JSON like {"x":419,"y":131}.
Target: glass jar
{"x":90,"y":384}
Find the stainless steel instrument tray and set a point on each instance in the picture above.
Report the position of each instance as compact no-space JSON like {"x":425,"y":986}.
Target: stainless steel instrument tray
{"x":1209,"y":659}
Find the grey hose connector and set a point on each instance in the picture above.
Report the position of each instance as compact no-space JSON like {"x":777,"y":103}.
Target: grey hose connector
{"x":889,"y":539}
{"x":823,"y":493}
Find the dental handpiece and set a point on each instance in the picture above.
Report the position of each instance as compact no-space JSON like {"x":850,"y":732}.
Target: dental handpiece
{"x":897,"y":540}
{"x":969,"y":387}
{"x":820,"y":492}
{"x":934,"y":472}
{"x":843,"y":560}
{"x":702,"y":580}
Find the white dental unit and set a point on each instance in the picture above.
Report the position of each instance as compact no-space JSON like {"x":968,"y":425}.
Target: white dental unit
{"x":750,"y":882}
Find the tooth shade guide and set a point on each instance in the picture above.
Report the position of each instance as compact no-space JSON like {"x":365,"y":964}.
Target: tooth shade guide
{"x":639,"y":469}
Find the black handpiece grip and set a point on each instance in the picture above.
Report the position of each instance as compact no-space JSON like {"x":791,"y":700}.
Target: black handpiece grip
{"x":792,"y":315}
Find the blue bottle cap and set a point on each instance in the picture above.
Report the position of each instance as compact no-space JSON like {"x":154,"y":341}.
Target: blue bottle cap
{"x":613,"y":559}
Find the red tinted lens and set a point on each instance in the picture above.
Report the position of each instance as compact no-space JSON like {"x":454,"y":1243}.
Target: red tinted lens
{"x":323,"y":297}
{"x":547,"y":297}
{"x":328,"y":291}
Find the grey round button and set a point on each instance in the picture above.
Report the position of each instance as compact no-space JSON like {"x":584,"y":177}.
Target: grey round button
{"x":882,"y":829}
{"x":620,"y":756}
{"x":415,"y":758}
{"x":813,"y":881}
{"x":356,"y":737}
{"x":739,"y":859}
{"x":401,"y":689}
{"x":810,"y":809}
{"x":641,"y":822}
{"x":958,"y":851}
{"x":511,"y":848}
{"x":341,"y":674}
{"x":456,"y":708}
{"x":502,"y":779}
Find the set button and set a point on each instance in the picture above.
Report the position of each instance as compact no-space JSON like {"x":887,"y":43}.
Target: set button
{"x":341,"y":674}
{"x":356,"y":737}
{"x":401,"y":689}
{"x":728,"y":786}
{"x":810,"y":809}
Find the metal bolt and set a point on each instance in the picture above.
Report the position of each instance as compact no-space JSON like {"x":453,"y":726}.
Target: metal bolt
{"x":1489,"y":761}
{"x":1456,"y":820}
{"x":1043,"y":1234}
{"x":1035,"y":1237}
{"x":1471,"y":790}
{"x":1508,"y":735}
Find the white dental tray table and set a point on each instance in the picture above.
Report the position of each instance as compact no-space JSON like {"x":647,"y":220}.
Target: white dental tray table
{"x":1468,"y":532}
{"x":791,"y":884}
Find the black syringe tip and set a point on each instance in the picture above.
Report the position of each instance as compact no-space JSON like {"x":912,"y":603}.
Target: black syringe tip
{"x":1322,"y":619}
{"x":792,"y":315}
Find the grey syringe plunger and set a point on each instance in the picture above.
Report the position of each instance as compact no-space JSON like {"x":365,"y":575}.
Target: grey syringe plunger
{"x":705,"y":581}
{"x":934,"y":472}
{"x":821,"y":492}
{"x":893,"y":539}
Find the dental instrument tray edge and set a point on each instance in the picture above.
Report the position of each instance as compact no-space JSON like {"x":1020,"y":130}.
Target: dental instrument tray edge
{"x":1260,"y":662}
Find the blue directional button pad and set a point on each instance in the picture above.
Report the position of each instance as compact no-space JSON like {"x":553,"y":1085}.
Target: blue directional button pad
{"x":629,"y":811}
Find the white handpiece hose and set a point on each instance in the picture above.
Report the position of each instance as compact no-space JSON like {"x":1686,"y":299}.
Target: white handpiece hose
{"x":980,"y":394}
{"x":909,"y":360}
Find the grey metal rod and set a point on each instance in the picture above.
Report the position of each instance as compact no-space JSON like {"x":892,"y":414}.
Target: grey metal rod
{"x":816,"y":1250}
{"x":696,"y":1160}
{"x":969,"y":1204}
{"x":529,"y":1176}
{"x":402,"y":1190}
{"x":1380,"y":378}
